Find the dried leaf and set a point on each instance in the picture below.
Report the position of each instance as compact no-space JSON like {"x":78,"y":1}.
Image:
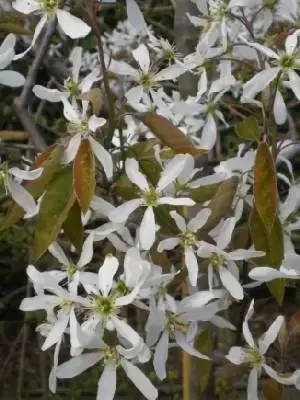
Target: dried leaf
{"x":94,"y":97}
{"x":265,"y":186}
{"x":73,"y":227}
{"x":248,"y":129}
{"x":84,"y":175}
{"x":272,"y":390}
{"x":54,"y":209}
{"x":169,"y":134}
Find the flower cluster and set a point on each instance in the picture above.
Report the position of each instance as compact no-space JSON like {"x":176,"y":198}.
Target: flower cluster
{"x":180,"y":251}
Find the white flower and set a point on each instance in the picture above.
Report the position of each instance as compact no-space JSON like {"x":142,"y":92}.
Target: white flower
{"x":113,"y":357}
{"x":82,"y":127}
{"x":223,"y":262}
{"x":188,"y":239}
{"x":49,"y":9}
{"x":254,"y":355}
{"x":150,"y":198}
{"x":7,"y":52}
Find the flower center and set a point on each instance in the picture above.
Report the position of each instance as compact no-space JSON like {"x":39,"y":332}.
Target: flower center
{"x":254,"y":357}
{"x":104,"y":306}
{"x":72,"y":87}
{"x":146,"y":80}
{"x":49,"y":6}
{"x":121,"y":289}
{"x":287,"y":61}
{"x":176,"y":323}
{"x":65,"y":304}
{"x":81,"y":127}
{"x":151,"y":197}
{"x":217,"y":260}
{"x":188,"y":238}
{"x":210,"y":108}
{"x":110,"y":355}
{"x":218,"y":11}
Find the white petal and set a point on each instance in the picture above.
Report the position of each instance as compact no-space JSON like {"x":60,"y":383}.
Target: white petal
{"x":258,"y":83}
{"x":242,"y":254}
{"x":75,"y":366}
{"x":161,"y":356}
{"x":52,"y":376}
{"x":191,"y":265}
{"x":76,"y":60}
{"x":134,"y":174}
{"x":121,"y":213}
{"x":107,"y":383}
{"x":180,"y":201}
{"x":294,"y":81}
{"x":22,"y":197}
{"x":126,"y":331}
{"x":87,"y":252}
{"x":38,"y":303}
{"x":72,"y":149}
{"x":70,"y":113}
{"x":134,"y":94}
{"x":141,"y":56}
{"x":253,"y":385}
{"x":196,"y":300}
{"x":11,"y":78}
{"x":167,"y":244}
{"x":171,"y":172}
{"x":209,"y":134}
{"x":290,"y":43}
{"x":140,"y":380}
{"x":236,"y":355}
{"x":58,"y":253}
{"x":71,"y":25}
{"x":147,"y":230}
{"x":179,"y":220}
{"x":56,"y":332}
{"x":279,"y":109}
{"x":26,"y":175}
{"x":106,"y":274}
{"x":231,"y":284}
{"x":52,"y":95}
{"x":199,"y":220}
{"x":26,"y":7}
{"x":265,"y":274}
{"x":225,"y":233}
{"x":101,"y":206}
{"x":135,"y":16}
{"x":96,"y":122}
{"x":246,"y":331}
{"x":270,"y":335}
{"x":182,"y":342}
{"x":103,"y":157}
{"x":169,"y":73}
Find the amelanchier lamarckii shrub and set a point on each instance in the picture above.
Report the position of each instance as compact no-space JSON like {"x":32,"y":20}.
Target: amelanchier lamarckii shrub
{"x":168,"y":224}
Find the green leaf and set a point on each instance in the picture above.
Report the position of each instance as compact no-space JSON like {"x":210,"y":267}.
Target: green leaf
{"x":84,"y":174}
{"x":73,"y":227}
{"x":169,"y":134}
{"x":54,"y":209}
{"x":248,"y":129}
{"x":277,"y":289}
{"x":204,"y":344}
{"x":203,"y":193}
{"x":50,"y":161}
{"x":265,"y":186}
{"x":221,"y":203}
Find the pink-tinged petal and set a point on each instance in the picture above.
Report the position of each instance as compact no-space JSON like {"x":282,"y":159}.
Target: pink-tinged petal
{"x":161,"y":356}
{"x":191,"y":265}
{"x":76,"y":365}
{"x":107,"y":383}
{"x":270,"y":335}
{"x":106,"y":274}
{"x":147,"y":231}
{"x":141,"y":56}
{"x":236,"y":355}
{"x":168,"y":244}
{"x":121,"y":213}
{"x":72,"y":26}
{"x":179,"y":220}
{"x":134,"y":175}
{"x":103,"y":157}
{"x":246,"y":331}
{"x":231,"y":284}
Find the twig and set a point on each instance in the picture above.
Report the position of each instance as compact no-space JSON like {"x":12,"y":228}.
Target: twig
{"x":20,"y":102}
{"x":110,"y":99}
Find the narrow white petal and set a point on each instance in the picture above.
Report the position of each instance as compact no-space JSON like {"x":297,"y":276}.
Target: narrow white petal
{"x":241,"y":254}
{"x":179,"y":220}
{"x":147,"y":230}
{"x":265,"y":274}
{"x":38,"y":303}
{"x":121,"y":213}
{"x":141,"y":56}
{"x":183,"y":343}
{"x":209,"y":134}
{"x":161,"y":356}
{"x":279,"y":109}
{"x":180,"y":201}
{"x":191,"y":265}
{"x":199,"y":220}
{"x":101,"y":206}
{"x":225,"y":233}
{"x":140,"y":380}
{"x":96,"y":122}
{"x":87,"y":251}
{"x":169,"y":73}
{"x":270,"y":335}
{"x":231,"y":284}
{"x":26,"y":175}
{"x":58,"y":253}
{"x":252,"y":393}
{"x":72,"y":149}
{"x":103,"y":157}
{"x":71,"y":25}
{"x":76,"y":365}
{"x":196,"y":300}
{"x":26,"y":7}
{"x":134,"y":174}
{"x":134,"y":94}
{"x":52,"y":95}
{"x":106,"y":274}
{"x":107,"y":383}
{"x":56,"y":332}
{"x":135,"y":16}
{"x":171,"y":172}
{"x":259,"y":82}
{"x":236,"y":355}
{"x":294,"y":83}
{"x":22,"y":197}
{"x":11,"y":78}
{"x":168,"y":244}
{"x":246,"y":331}
{"x":76,"y":60}
{"x":126,"y":331}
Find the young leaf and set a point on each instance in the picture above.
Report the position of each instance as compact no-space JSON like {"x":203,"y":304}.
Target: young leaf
{"x":248,"y":129}
{"x":169,"y":134}
{"x":54,"y":210}
{"x":265,"y":186}
{"x":277,"y":289}
{"x":49,"y":160}
{"x":73,"y":226}
{"x":84,"y":175}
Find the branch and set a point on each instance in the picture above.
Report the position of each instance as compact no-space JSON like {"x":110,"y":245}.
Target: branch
{"x":20,"y":103}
